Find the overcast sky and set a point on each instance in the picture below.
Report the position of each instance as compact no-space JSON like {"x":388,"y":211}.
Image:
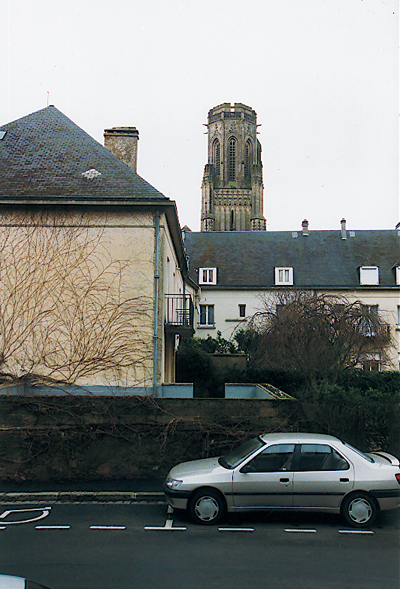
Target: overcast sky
{"x":322,"y":76}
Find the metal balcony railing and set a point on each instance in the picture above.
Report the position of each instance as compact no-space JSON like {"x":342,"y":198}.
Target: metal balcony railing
{"x":179,"y":310}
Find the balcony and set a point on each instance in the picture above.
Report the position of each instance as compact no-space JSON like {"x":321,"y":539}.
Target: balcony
{"x":179,"y":313}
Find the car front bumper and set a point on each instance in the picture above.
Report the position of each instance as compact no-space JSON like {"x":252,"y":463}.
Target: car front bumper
{"x":177,"y":498}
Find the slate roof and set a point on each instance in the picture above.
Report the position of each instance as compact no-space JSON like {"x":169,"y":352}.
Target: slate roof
{"x":44,"y":155}
{"x":322,"y":259}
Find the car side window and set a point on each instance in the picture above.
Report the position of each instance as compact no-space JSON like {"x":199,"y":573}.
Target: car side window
{"x":314,"y":457}
{"x":274,"y":458}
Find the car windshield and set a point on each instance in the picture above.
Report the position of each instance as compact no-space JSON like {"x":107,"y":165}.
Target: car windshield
{"x":366,"y":456}
{"x":237,"y":455}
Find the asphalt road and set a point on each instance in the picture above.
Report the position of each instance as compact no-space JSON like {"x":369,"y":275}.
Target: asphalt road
{"x":129,"y":546}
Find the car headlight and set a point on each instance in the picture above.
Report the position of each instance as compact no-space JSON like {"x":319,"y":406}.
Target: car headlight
{"x":173,"y":483}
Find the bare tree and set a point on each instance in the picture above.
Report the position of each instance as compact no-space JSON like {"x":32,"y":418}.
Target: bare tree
{"x":315,"y":334}
{"x":65,"y":309}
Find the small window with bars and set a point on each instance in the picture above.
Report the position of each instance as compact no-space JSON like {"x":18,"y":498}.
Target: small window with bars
{"x":217,"y":157}
{"x":232,"y":160}
{"x":248,"y":151}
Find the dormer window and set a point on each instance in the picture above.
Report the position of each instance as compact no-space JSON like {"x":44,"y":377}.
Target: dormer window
{"x":284,"y":276}
{"x":207,"y":276}
{"x":398,"y":275}
{"x":369,"y":275}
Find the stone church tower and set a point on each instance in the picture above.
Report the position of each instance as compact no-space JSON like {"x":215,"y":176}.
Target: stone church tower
{"x":232,"y":189}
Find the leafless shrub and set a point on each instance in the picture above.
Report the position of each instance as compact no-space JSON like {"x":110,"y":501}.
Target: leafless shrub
{"x":316,"y":335}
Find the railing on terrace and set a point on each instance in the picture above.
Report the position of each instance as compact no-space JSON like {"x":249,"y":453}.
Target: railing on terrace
{"x":179,"y":310}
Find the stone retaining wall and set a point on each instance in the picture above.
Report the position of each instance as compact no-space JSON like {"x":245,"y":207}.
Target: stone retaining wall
{"x":83,"y":438}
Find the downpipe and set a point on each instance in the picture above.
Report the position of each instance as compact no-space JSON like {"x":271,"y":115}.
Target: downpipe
{"x":156,"y":294}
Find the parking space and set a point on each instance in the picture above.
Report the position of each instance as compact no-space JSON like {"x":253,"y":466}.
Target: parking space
{"x":158,"y":517}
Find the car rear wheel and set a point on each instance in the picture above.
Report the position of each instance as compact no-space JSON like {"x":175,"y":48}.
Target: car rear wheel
{"x":360,"y":510}
{"x":207,"y":507}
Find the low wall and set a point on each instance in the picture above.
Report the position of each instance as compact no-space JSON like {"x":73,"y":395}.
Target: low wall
{"x":95,"y":437}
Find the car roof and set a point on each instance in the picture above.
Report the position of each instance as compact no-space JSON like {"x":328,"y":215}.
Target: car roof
{"x":295,"y":437}
{"x":11,"y":582}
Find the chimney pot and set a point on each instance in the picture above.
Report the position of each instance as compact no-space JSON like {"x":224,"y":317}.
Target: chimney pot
{"x":343,"y":228}
{"x":304,"y":226}
{"x":123,"y":143}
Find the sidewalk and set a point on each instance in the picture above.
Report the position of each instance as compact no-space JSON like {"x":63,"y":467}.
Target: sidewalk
{"x":149,"y":490}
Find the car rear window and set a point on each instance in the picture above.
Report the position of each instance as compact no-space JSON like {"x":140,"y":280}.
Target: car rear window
{"x":362,"y":454}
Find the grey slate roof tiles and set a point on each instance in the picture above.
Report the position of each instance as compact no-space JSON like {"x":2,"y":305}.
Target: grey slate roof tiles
{"x":247,"y":259}
{"x":44,"y":156}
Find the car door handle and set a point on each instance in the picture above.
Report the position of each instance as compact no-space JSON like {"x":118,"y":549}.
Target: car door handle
{"x":285,"y":481}
{"x":344,"y":480}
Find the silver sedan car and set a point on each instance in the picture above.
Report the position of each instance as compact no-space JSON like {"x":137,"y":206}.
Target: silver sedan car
{"x":288,"y":471}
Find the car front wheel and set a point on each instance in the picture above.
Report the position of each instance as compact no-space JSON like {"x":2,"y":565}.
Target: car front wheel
{"x":206,"y":507}
{"x":360,"y":510}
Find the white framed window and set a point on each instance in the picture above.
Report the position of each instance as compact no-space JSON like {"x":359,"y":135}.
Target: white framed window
{"x":242,"y":311}
{"x":283,"y":276}
{"x":207,"y":276}
{"x":397,"y":274}
{"x":207,"y":316}
{"x":368,"y":325}
{"x":369,"y":275}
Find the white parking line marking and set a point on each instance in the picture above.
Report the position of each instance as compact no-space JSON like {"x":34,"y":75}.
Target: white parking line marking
{"x":236,"y":529}
{"x":300,"y":530}
{"x":107,"y":528}
{"x":52,"y":527}
{"x":168,"y":527}
{"x":356,"y":532}
{"x":45,"y":512}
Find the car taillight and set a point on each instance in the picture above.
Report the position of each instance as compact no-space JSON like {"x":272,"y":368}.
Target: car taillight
{"x":397,"y":475}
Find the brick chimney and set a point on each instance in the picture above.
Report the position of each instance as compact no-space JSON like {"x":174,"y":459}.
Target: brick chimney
{"x":123,"y":143}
